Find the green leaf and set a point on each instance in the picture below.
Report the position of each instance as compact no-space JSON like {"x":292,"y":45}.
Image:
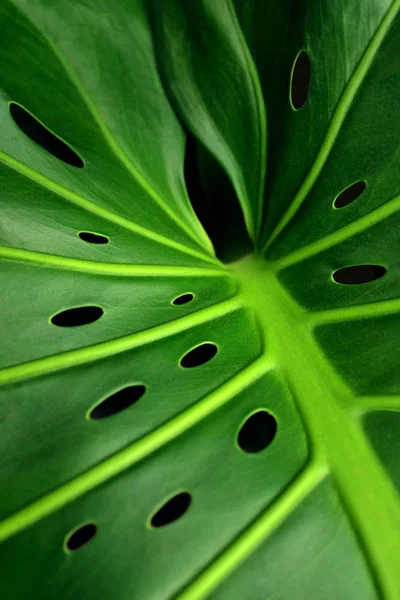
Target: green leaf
{"x":172,"y":426}
{"x":210,"y":73}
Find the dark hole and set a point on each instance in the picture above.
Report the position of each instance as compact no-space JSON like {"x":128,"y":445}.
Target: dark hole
{"x":300,"y":80}
{"x":42,"y":136}
{"x":257,"y":432}
{"x":199,"y":355}
{"x":184,"y":299}
{"x":117,"y":402}
{"x":81,"y":536}
{"x":350,"y":194}
{"x":172,"y":510}
{"x":215,"y":203}
{"x":359,"y":274}
{"x":93,"y":238}
{"x":77,"y":316}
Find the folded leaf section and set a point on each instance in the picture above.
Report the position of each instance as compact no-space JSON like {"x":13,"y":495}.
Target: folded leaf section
{"x":366,"y":149}
{"x":84,"y":98}
{"x":212,"y":79}
{"x":337,"y":38}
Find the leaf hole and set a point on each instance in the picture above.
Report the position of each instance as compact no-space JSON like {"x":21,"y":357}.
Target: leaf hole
{"x":172,"y":510}
{"x":81,"y":536}
{"x":74,"y":317}
{"x":39,"y":134}
{"x":199,"y":356}
{"x":93,"y":238}
{"x":300,"y":80}
{"x":257,"y":432}
{"x":358,"y":274}
{"x":183,"y":299}
{"x":350,"y":194}
{"x":118,"y":402}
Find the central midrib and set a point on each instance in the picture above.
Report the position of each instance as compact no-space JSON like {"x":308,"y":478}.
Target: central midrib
{"x":325,"y":404}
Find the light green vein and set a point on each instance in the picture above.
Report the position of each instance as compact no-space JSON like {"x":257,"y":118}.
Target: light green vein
{"x":338,"y":118}
{"x":112,"y":143}
{"x":98,"y":210}
{"x":360,"y":311}
{"x":261,"y":114}
{"x":73,"y":358}
{"x":252,"y":537}
{"x":134,"y":452}
{"x":340,"y":235}
{"x":99,"y":268}
{"x":363,"y":404}
{"x":323,"y":399}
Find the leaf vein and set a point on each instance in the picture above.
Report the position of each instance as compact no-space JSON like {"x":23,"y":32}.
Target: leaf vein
{"x":81,"y":356}
{"x":337,"y":120}
{"x":98,"y":210}
{"x":100,"y":268}
{"x":344,"y":233}
{"x":112,"y":143}
{"x":135,"y":452}
{"x":253,"y":536}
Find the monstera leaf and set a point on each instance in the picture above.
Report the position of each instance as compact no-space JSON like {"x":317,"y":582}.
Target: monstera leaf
{"x":200,"y":390}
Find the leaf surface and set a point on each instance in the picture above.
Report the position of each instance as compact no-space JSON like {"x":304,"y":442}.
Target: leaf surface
{"x":210,"y":73}
{"x":260,"y":458}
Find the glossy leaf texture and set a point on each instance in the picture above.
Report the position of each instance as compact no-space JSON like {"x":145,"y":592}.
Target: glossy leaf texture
{"x":173,"y":426}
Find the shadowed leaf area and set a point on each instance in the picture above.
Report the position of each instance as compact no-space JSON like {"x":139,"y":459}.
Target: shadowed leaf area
{"x":200,"y":298}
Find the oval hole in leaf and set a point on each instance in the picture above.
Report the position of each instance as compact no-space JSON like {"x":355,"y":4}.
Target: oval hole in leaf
{"x":118,"y":402}
{"x":73,"y":317}
{"x":257,"y":432}
{"x":183,"y":299}
{"x":350,"y":194}
{"x":359,"y":274}
{"x":199,"y":355}
{"x":93,"y":238}
{"x":39,"y":134}
{"x":172,"y":510}
{"x":300,"y":80}
{"x":81,"y":536}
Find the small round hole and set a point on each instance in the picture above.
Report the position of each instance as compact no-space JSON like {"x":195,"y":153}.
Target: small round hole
{"x":349,"y":194}
{"x":184,"y":299}
{"x":199,"y":355}
{"x":74,"y":317}
{"x":358,"y":274}
{"x":172,"y":510}
{"x":300,"y":80}
{"x":81,"y":536}
{"x":257,"y":432}
{"x":93,"y":238}
{"x":118,"y":402}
